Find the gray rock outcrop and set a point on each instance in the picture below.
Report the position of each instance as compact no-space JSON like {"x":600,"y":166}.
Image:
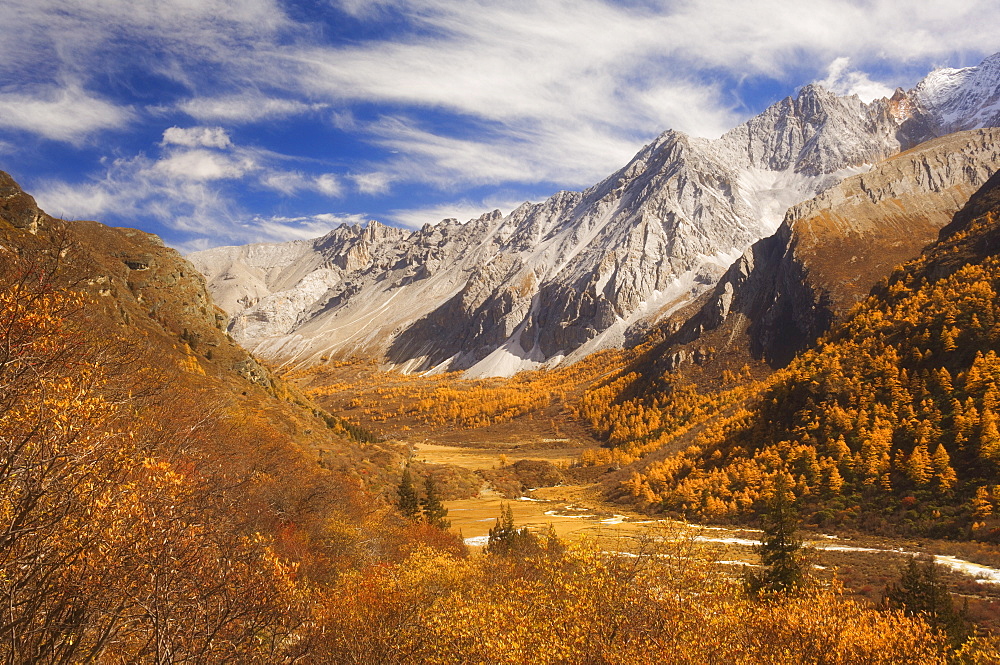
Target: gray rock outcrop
{"x":578,"y":272}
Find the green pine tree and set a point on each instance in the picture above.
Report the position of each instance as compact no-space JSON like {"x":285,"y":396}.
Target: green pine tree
{"x":921,"y":592}
{"x":408,"y":503}
{"x":434,"y":511}
{"x":780,"y":550}
{"x":509,"y":541}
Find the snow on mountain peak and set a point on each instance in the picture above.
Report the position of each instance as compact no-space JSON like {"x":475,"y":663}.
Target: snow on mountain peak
{"x":570,"y":274}
{"x":966,"y":98}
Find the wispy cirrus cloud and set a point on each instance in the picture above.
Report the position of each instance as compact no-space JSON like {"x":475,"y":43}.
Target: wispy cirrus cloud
{"x":551,"y":112}
{"x":844,"y":81}
{"x":508,"y":155}
{"x":245,"y":108}
{"x":66,"y":113}
{"x":208,"y":137}
{"x":592,"y":60}
{"x":290,"y":183}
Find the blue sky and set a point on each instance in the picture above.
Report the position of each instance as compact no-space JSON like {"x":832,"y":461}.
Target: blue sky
{"x":214,"y":122}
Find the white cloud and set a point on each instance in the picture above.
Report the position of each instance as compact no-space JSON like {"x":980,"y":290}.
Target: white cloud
{"x":290,"y":183}
{"x":195,"y":137}
{"x":204,"y":165}
{"x":570,"y":89}
{"x":67,"y":114}
{"x":561,"y":91}
{"x":528,"y":155}
{"x":374,"y":182}
{"x":244,"y":108}
{"x":328,"y":184}
{"x":286,"y":182}
{"x":190,"y":191}
{"x":844,"y":81}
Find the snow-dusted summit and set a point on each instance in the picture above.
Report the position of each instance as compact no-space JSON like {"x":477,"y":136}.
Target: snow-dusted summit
{"x":951,"y":100}
{"x":580,"y":271}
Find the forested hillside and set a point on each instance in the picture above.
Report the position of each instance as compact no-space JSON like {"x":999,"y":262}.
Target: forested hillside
{"x":163,"y":498}
{"x":890,"y":423}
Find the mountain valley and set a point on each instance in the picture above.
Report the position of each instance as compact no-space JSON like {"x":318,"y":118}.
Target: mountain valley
{"x":563,"y":434}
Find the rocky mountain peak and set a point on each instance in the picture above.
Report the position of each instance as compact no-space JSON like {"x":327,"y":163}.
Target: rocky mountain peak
{"x":815,"y":133}
{"x":787,"y":289}
{"x":580,"y":271}
{"x":376,"y":232}
{"x":957,"y":99}
{"x":900,"y":106}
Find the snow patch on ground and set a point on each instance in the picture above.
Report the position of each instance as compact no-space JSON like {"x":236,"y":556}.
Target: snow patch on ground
{"x":771,"y":193}
{"x":983,"y":574}
{"x":507,"y":360}
{"x":510,"y":358}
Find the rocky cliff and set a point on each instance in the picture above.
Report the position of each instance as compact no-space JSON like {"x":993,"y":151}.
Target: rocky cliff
{"x":787,"y":289}
{"x":580,"y":271}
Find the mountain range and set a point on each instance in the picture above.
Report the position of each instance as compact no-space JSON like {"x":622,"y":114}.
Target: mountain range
{"x":552,"y":281}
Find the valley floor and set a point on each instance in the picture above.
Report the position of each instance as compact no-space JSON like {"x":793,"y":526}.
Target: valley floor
{"x":409,"y":411}
{"x":865,"y":565}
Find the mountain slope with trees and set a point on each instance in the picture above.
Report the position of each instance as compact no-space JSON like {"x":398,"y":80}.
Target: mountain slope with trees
{"x":889,"y":424}
{"x":163,"y":497}
{"x":161,"y":504}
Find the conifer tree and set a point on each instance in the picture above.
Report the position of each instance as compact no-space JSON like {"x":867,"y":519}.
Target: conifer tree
{"x":833,"y":482}
{"x":918,"y":466}
{"x":780,"y":550}
{"x":408,"y":503}
{"x":920,"y":592}
{"x":942,"y":468}
{"x":507,"y":540}
{"x":434,"y":511}
{"x":989,"y":438}
{"x":982,"y":505}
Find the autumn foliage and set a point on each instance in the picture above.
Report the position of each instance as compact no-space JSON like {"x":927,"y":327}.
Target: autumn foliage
{"x":113,"y":545}
{"x":142,"y":524}
{"x":579,"y":604}
{"x":159,"y":506}
{"x":891,"y":420}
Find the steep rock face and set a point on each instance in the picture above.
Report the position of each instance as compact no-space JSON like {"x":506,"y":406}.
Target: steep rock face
{"x":578,"y":272}
{"x":815,"y":133}
{"x":787,"y":289}
{"x":16,"y":207}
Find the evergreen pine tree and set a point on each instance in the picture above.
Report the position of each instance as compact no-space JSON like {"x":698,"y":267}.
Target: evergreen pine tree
{"x":780,"y":550}
{"x":434,"y":511}
{"x":920,"y":592}
{"x":507,"y":540}
{"x":407,"y":503}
